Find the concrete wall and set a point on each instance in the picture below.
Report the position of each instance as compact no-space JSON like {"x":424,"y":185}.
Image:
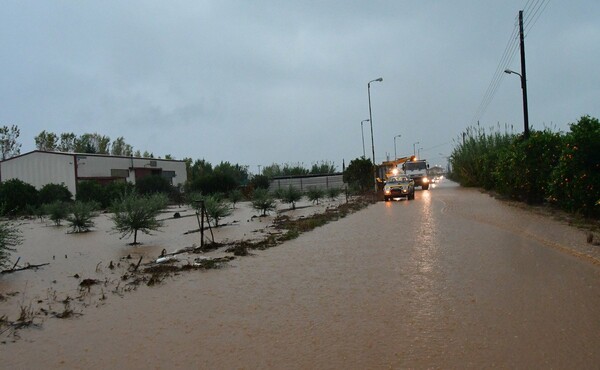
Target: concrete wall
{"x":40,"y":168}
{"x":305,"y":182}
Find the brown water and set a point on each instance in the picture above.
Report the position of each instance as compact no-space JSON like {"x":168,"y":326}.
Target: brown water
{"x":453,"y":279}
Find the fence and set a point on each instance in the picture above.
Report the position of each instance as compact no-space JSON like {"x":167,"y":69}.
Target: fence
{"x":334,"y":180}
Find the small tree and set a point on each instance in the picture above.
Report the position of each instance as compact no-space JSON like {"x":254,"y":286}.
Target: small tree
{"x":81,"y":216}
{"x":57,"y":211}
{"x":9,"y":238}
{"x":262,"y":201}
{"x":216,"y":208}
{"x":333,"y":193}
{"x":9,"y":146}
{"x":291,"y":195}
{"x":235,"y":196}
{"x":135,"y":212}
{"x":315,"y":194}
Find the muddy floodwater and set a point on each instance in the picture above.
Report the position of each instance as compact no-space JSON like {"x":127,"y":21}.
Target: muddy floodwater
{"x":452,"y":279}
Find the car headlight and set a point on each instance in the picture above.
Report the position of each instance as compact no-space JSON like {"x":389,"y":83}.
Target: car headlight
{"x":425,"y":179}
{"x":387,"y":191}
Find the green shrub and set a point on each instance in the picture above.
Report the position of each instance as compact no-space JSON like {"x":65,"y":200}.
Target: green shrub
{"x":104,"y":195}
{"x":57,"y":211}
{"x":260,"y":182}
{"x":135,"y":213}
{"x":359,"y":174}
{"x":333,"y":193}
{"x":80,"y":219}
{"x":50,"y":193}
{"x":262,"y":201}
{"x":315,"y":194}
{"x":291,"y":195}
{"x":15,"y":195}
{"x":524,"y":168}
{"x":153,"y":184}
{"x":216,"y":208}
{"x":575,"y":182}
{"x":235,"y":196}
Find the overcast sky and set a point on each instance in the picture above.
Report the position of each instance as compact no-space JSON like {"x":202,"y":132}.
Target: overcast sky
{"x":257,"y":82}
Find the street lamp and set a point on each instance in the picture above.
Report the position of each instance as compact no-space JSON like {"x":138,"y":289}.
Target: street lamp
{"x":395,"y":155}
{"x":363,"y":135}
{"x":380,"y":79}
{"x":525,"y":110}
{"x":414,"y":150}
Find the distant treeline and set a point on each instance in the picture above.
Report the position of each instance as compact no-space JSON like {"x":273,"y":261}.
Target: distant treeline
{"x":562,"y":169}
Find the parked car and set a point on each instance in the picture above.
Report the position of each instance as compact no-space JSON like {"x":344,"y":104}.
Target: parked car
{"x":397,"y":187}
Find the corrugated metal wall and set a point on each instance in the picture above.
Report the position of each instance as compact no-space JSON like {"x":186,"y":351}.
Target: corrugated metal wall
{"x":39,"y":169}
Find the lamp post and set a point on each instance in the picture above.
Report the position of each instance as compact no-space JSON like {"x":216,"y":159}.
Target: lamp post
{"x":419,"y":152}
{"x":415,"y":150}
{"x":525,"y":110}
{"x":395,"y":155}
{"x":363,"y":135}
{"x":380,"y":79}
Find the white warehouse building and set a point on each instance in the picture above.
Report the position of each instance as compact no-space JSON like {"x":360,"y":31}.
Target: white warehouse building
{"x":39,"y":168}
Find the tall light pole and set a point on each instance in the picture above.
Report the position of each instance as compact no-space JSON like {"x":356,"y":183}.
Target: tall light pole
{"x":523,"y":76}
{"x":395,"y":155}
{"x":419,"y":152}
{"x":415,"y":150}
{"x":525,"y":110}
{"x":380,"y":79}
{"x":363,"y":135}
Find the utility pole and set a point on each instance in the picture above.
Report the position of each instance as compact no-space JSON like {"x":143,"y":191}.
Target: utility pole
{"x":523,"y":77}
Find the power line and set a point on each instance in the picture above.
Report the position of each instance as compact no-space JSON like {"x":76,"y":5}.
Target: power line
{"x":505,"y":60}
{"x":533,"y":10}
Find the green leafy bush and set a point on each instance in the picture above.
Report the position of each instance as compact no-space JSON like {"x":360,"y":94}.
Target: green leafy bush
{"x":359,"y":174}
{"x":575,"y":182}
{"x":263,"y":201}
{"x":57,"y":211}
{"x":80,"y":219}
{"x":333,"y":193}
{"x":104,"y":195}
{"x":235,"y":196}
{"x":315,"y":194}
{"x":15,"y":195}
{"x":523,"y":169}
{"x":291,"y":195}
{"x":153,"y":184}
{"x":216,"y":208}
{"x":50,"y":193}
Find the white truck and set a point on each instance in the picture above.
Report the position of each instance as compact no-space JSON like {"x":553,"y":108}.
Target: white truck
{"x":416,"y":169}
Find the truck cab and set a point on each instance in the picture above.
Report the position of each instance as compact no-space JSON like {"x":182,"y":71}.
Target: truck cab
{"x":416,"y":169}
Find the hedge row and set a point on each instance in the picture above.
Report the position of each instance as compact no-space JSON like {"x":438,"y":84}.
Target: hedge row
{"x":560,"y":168}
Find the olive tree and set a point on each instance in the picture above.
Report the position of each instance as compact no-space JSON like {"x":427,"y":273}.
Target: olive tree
{"x":291,"y":195}
{"x":262,"y":201}
{"x":136,"y":213}
{"x":216,"y":208}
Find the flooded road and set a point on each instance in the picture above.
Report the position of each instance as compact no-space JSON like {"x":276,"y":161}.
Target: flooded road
{"x":453,"y":279}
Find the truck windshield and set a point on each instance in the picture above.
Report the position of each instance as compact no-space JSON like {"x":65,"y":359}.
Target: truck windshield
{"x":412,"y":166}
